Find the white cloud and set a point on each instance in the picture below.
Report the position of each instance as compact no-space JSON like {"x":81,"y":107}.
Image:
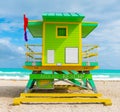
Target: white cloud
{"x":11,"y":55}
{"x":14,"y":48}
{"x":21,"y":50}
{"x":10,"y":27}
{"x":35,"y":8}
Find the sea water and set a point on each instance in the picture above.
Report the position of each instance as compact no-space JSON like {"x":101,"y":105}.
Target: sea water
{"x":23,"y":74}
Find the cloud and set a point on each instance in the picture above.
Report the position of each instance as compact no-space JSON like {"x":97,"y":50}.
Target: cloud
{"x":17,"y":8}
{"x":10,"y":55}
{"x":10,"y":25}
{"x":7,"y":42}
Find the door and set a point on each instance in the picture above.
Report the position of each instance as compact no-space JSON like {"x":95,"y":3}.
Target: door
{"x":50,"y":56}
{"x":71,"y":55}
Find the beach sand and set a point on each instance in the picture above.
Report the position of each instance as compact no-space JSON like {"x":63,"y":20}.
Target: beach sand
{"x":9,"y":89}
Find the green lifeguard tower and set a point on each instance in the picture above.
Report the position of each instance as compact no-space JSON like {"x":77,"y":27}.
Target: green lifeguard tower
{"x":61,"y":57}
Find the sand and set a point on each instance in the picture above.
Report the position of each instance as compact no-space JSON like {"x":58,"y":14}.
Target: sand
{"x":10,"y":89}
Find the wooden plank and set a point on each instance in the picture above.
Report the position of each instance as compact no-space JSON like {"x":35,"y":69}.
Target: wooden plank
{"x":92,"y":47}
{"x":58,"y":68}
{"x":90,"y":55}
{"x":105,"y":101}
{"x":60,"y":95}
{"x":34,"y":53}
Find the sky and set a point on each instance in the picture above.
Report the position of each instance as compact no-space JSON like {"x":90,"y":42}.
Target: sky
{"x":106,"y":35}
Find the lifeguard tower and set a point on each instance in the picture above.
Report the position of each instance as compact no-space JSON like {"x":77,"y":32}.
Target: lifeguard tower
{"x":61,"y":57}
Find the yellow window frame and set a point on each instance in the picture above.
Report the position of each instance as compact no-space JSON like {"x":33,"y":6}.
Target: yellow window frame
{"x":61,"y":27}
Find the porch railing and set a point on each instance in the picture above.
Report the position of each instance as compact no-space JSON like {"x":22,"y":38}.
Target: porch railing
{"x":33,"y":54}
{"x":90,"y":55}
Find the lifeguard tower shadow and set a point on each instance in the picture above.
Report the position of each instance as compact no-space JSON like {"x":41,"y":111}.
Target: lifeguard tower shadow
{"x":5,"y":91}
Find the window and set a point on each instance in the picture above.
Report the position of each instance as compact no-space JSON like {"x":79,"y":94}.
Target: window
{"x":62,"y":32}
{"x":50,"y":56}
{"x":71,"y":55}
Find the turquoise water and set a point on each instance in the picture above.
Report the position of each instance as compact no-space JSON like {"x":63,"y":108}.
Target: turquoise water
{"x":106,"y":74}
{"x":22,"y":74}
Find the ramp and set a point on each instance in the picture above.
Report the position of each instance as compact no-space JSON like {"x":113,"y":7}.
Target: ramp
{"x":61,"y":97}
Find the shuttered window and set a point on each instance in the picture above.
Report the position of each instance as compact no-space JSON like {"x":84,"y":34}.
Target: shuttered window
{"x":62,"y":32}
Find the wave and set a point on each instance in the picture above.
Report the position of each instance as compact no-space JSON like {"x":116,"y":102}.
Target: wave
{"x":10,"y":72}
{"x":99,"y":76}
{"x":14,"y":78}
{"x":13,"y":73}
{"x":26,"y":77}
{"x":105,"y":77}
{"x":22,"y":74}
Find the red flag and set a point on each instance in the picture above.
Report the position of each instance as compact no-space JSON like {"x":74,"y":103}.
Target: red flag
{"x":25,"y":22}
{"x":25,"y":27}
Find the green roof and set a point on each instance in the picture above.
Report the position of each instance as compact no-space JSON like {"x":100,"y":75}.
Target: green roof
{"x":62,"y":17}
{"x":87,"y":28}
{"x":35,"y":28}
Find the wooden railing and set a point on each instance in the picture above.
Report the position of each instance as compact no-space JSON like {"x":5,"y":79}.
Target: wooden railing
{"x":33,"y":52}
{"x":90,"y":53}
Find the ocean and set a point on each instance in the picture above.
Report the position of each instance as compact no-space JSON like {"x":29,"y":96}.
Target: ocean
{"x":22,"y":74}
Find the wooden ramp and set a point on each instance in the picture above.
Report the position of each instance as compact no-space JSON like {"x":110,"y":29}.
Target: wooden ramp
{"x":61,"y":98}
{"x":58,"y":97}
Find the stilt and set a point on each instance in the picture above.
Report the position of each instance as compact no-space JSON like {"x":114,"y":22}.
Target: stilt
{"x":29,"y":85}
{"x":92,"y":84}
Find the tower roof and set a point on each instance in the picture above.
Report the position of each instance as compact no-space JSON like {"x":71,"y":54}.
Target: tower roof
{"x":62,"y":17}
{"x":36,"y":26}
{"x":87,"y":28}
